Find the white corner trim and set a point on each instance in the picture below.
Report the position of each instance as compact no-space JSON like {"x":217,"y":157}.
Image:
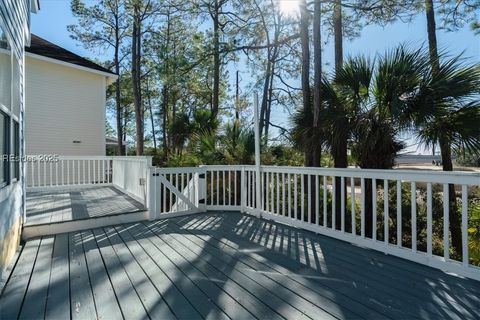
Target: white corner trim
{"x":110,"y":77}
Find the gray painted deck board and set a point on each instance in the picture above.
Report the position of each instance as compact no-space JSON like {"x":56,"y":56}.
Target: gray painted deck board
{"x":187,"y":285}
{"x":312,"y":304}
{"x":224,"y":265}
{"x":36,"y":296}
{"x":130,"y":303}
{"x":340,"y":257}
{"x":12,"y":298}
{"x":178,"y":303}
{"x":227,"y":296}
{"x":387,"y":301}
{"x":82,"y":305}
{"x":103,"y":294}
{"x":151,"y":298}
{"x":82,"y":202}
{"x":256,"y":283}
{"x":59,"y":287}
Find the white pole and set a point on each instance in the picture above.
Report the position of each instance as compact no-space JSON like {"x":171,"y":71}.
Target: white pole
{"x":257,"y":155}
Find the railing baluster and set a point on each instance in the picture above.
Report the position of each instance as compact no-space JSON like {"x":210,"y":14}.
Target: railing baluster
{"x":68,"y":172}
{"x":399,"y":213}
{"x":342,"y":192}
{"x":317,"y":200}
{"x":334,"y":203}
{"x":324,"y":201}
{"x":309,"y":198}
{"x":295,"y":203}
{"x":235,"y":187}
{"x":177,"y":200}
{"x":429,"y":219}
{"x":44,"y":173}
{"x":385,"y":212}
{"x":218,"y":188}
{"x":267,"y":191}
{"x":51,"y":173}
{"x":229,"y":188}
{"x":362,"y":219}
{"x":211,"y":188}
{"x":414,"y":215}
{"x":465,"y":226}
{"x":171,"y":176}
{"x":56,"y":173}
{"x":352,"y":194}
{"x":289,"y":196}
{"x":302,"y":199}
{"x":278,"y":194}
{"x":272,"y":190}
{"x":32,"y":183}
{"x":374,"y":209}
{"x":446,"y":224}
{"x":223,"y":186}
{"x":283,"y":194}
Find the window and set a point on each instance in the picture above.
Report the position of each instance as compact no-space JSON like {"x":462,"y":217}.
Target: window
{"x":3,"y":40}
{"x":4,"y":121}
{"x":16,"y":150}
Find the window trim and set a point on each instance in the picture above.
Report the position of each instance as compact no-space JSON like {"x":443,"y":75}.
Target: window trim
{"x":6,"y":151}
{"x":16,"y":151}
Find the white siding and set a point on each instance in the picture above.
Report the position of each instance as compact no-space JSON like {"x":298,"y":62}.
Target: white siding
{"x":64,"y":104}
{"x":14,"y":19}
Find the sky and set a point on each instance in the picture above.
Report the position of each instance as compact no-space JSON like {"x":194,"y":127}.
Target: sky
{"x":55,"y":15}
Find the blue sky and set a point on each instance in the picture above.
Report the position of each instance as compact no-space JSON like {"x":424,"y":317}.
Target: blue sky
{"x":51,"y":23}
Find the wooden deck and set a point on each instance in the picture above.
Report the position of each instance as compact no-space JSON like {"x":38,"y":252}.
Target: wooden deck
{"x":224,"y":265}
{"x":77,"y":203}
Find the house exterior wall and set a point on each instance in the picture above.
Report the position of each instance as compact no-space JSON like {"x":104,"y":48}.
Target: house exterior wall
{"x":14,"y":24}
{"x":64,"y":104}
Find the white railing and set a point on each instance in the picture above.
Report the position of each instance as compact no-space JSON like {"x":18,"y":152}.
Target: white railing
{"x":129,"y":174}
{"x":67,"y":171}
{"x":398,"y":212}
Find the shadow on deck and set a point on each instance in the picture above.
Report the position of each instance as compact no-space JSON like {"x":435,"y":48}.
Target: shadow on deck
{"x":77,"y":203}
{"x":224,"y":265}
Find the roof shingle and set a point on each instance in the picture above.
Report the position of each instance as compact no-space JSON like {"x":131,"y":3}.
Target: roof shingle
{"x":47,"y":49}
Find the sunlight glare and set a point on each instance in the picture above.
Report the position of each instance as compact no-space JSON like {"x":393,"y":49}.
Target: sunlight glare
{"x":289,"y":7}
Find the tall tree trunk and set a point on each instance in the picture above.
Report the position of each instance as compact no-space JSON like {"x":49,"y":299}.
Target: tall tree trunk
{"x":164,"y":119}
{"x":306,"y":91}
{"x":432,"y":36}
{"x":338,"y":34}
{"x":454,"y":215}
{"x":445,"y":147}
{"x":317,"y":88}
{"x":216,"y":59}
{"x":263,"y":107}
{"x":137,"y":97}
{"x":339,"y":152}
{"x":118,"y":109}
{"x":118,"y":103}
{"x":151,"y":117}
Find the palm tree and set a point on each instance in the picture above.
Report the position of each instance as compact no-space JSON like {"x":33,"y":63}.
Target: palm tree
{"x":446,"y":111}
{"x":362,"y":104}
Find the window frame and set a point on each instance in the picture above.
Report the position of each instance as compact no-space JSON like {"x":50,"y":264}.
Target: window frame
{"x":16,"y":151}
{"x":5,"y":150}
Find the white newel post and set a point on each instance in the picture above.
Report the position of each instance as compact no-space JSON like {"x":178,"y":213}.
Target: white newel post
{"x":153,"y":194}
{"x":201,"y":189}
